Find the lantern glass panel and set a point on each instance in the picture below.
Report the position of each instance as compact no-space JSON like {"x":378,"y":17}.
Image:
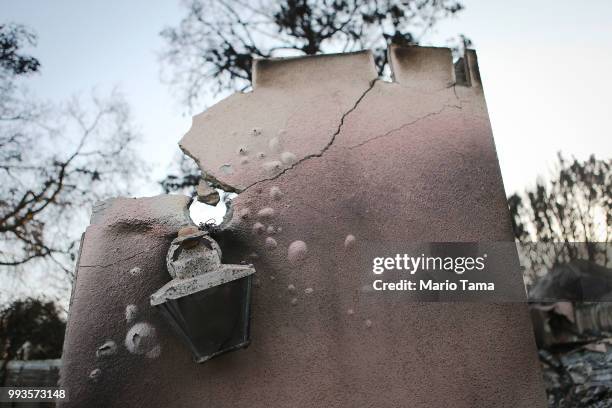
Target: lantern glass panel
{"x":213,"y":321}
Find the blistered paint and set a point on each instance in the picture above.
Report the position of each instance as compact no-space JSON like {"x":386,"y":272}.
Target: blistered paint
{"x":272,"y":166}
{"x":275,"y":193}
{"x":135,"y":271}
{"x":259,"y":228}
{"x":349,"y":241}
{"x":141,"y":338}
{"x":131,"y":311}
{"x":107,"y":349}
{"x":271,"y":243}
{"x":244,"y":213}
{"x":95,"y":375}
{"x":288,"y":158}
{"x":266,"y":213}
{"x":274,"y":145}
{"x":297,"y":252}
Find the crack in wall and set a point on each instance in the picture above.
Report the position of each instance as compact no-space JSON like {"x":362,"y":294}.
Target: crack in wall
{"x":454,"y":86}
{"x":228,"y":188}
{"x":209,"y":178}
{"x":405,"y":125}
{"x":326,"y":147}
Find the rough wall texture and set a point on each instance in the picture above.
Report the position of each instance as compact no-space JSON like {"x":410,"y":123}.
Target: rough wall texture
{"x":122,"y":261}
{"x":330,"y":164}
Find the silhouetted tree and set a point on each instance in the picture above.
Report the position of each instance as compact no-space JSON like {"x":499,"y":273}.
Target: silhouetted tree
{"x":30,"y":329}
{"x":55,"y":160}
{"x":14,"y":37}
{"x":575,"y":206}
{"x":212,"y":49}
{"x":184,"y":175}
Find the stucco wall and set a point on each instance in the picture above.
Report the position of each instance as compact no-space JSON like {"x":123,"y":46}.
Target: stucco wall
{"x":322,"y":152}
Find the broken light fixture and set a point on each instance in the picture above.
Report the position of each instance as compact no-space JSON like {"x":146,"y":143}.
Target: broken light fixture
{"x":207,"y":302}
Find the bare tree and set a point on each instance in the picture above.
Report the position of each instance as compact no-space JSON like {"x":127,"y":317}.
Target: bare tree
{"x":570,"y":214}
{"x":183,"y":176}
{"x":55,"y":161}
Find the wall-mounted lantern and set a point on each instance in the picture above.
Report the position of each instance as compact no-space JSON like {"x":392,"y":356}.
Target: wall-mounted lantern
{"x":208,"y":303}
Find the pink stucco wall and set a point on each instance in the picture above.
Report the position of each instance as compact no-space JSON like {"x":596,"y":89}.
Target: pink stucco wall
{"x":343,"y":154}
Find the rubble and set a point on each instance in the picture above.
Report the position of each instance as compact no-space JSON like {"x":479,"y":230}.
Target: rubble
{"x":207,"y":194}
{"x":575,"y":337}
{"x":581,"y":377}
{"x":581,"y":313}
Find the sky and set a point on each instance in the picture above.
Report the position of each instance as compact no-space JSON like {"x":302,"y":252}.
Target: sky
{"x":545,"y":68}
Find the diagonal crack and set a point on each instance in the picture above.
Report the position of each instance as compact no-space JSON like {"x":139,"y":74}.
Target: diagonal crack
{"x":405,"y":125}
{"x":454,"y":87}
{"x":216,"y":183}
{"x":326,"y":147}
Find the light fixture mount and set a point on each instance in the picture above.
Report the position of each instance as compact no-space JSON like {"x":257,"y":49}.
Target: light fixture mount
{"x":207,"y":303}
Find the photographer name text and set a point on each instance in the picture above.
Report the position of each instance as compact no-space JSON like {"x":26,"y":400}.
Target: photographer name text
{"x":415,"y":264}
